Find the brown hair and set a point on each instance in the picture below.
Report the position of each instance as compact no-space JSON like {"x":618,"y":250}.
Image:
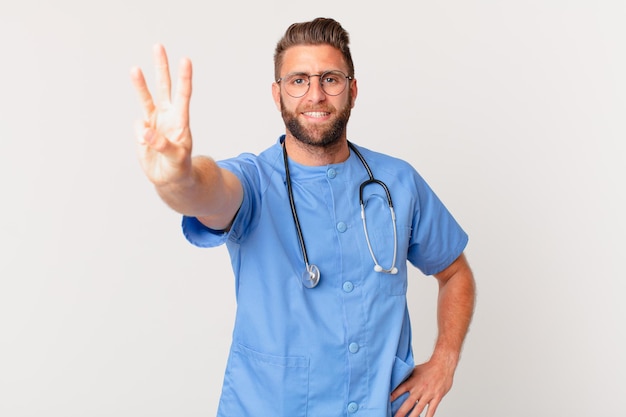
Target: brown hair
{"x":320,"y":31}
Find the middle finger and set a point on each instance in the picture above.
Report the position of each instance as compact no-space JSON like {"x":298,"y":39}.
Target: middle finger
{"x":163,"y":81}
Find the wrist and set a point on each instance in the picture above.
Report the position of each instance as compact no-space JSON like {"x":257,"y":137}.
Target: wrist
{"x":446,"y":356}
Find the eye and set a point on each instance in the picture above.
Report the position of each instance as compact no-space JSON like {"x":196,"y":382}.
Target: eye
{"x":332,"y":78}
{"x":297,"y":80}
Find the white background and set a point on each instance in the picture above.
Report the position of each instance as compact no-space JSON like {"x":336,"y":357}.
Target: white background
{"x":514,"y":111}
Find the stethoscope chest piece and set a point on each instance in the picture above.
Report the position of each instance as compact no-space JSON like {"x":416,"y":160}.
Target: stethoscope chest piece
{"x":311,"y":276}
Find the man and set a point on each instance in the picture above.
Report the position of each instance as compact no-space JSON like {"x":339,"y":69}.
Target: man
{"x":322,"y":326}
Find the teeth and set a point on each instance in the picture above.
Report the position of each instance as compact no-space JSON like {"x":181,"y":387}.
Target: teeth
{"x":316,"y":114}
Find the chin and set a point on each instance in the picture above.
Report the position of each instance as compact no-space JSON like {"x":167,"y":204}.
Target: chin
{"x":321,"y":138}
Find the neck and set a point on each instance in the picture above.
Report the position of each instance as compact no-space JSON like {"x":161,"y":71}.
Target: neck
{"x":316,"y":155}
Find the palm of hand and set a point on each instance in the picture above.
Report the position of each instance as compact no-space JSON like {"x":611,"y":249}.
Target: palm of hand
{"x":165,"y":157}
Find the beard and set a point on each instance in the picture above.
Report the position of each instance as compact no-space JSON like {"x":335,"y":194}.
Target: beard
{"x":318,"y":136}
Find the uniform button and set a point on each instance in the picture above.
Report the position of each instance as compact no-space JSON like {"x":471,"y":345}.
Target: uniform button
{"x":352,"y":407}
{"x":348,"y":286}
{"x":353,"y":348}
{"x":342,"y":227}
{"x":331,"y":173}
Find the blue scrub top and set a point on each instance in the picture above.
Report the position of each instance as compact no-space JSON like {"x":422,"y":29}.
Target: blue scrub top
{"x":338,"y":349}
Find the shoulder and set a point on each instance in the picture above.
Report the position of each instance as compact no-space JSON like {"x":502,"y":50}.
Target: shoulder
{"x":257,"y":172}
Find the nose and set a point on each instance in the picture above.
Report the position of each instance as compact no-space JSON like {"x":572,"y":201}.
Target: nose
{"x":315,"y":93}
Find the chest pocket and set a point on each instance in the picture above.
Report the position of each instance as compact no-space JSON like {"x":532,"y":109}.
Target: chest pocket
{"x":261,"y":385}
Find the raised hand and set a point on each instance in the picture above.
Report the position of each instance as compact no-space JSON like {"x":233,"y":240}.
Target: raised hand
{"x":164,"y":136}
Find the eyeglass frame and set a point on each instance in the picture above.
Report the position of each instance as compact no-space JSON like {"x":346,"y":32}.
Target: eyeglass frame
{"x":348,"y":77}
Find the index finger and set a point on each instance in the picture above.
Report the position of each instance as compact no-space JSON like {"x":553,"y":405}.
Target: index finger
{"x":139,"y":81}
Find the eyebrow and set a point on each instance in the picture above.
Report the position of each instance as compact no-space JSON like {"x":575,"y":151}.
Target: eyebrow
{"x":309,"y":74}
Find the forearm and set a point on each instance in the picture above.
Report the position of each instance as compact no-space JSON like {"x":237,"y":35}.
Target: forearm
{"x":208,"y":192}
{"x":430,"y":381}
{"x":454,"y":313}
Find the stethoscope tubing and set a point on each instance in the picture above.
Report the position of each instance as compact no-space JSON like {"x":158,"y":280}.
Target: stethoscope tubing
{"x":311,"y":275}
{"x":372,"y":180}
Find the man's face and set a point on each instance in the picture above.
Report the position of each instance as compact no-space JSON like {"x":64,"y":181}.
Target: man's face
{"x":316,"y":119}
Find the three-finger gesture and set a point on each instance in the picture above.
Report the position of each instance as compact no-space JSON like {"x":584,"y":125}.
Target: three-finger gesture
{"x":164,"y":136}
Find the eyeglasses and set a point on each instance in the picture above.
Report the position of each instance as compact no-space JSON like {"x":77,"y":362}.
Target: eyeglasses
{"x":332,"y":82}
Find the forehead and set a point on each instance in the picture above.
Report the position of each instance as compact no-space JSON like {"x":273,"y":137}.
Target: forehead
{"x":312,"y":59}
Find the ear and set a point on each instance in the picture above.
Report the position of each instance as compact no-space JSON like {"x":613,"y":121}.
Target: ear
{"x":276,"y":95}
{"x":354,"y":90}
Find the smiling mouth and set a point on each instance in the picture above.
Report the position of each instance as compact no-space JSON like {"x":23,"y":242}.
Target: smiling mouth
{"x":316,"y":114}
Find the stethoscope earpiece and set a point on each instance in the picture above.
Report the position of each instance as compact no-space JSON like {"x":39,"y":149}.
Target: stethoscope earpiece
{"x":393,"y":270}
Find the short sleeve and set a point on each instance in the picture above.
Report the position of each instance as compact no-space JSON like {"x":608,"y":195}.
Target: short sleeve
{"x":245,"y":168}
{"x":199,"y":235}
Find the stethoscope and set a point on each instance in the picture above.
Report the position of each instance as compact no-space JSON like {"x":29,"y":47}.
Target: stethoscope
{"x":311,"y":274}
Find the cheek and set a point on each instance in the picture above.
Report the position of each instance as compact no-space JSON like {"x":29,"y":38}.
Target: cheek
{"x":289,"y":105}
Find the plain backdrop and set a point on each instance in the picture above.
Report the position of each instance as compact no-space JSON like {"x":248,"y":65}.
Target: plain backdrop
{"x":514,"y":112}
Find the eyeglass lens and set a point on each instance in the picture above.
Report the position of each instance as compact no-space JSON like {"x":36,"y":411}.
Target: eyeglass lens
{"x":333,"y":83}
